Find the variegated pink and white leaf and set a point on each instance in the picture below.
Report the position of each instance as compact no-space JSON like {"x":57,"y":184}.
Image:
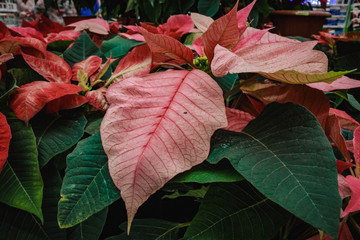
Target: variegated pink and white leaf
{"x":96,"y":25}
{"x":30,"y":98}
{"x":13,"y":45}
{"x":67,"y":35}
{"x":89,"y":66}
{"x":237,"y":119}
{"x":156,"y":127}
{"x":201,"y":22}
{"x":52,"y":67}
{"x":97,"y":99}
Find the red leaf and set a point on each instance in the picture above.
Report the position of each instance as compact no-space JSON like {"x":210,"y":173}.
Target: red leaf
{"x":97,"y":99}
{"x":89,"y":65}
{"x":346,"y":121}
{"x":342,"y":166}
{"x":356,"y":143}
{"x":44,"y":25}
{"x":299,"y":94}
{"x":176,"y":26}
{"x":156,"y":127}
{"x":343,"y":234}
{"x":237,"y":120}
{"x":28,"y":32}
{"x":13,"y":44}
{"x":242,"y":16}
{"x":53,"y":68}
{"x":166,"y":48}
{"x":67,"y":35}
{"x":134,"y":64}
{"x":341,"y":83}
{"x":30,"y":98}
{"x":202,"y":22}
{"x":4,"y":30}
{"x":198,"y":46}
{"x":354,"y":203}
{"x":94,"y":25}
{"x":333,"y":131}
{"x":5,"y":136}
{"x":147,"y":27}
{"x":65,"y":102}
{"x":223,"y":32}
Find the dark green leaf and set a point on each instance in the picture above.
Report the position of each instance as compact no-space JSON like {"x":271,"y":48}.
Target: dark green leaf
{"x":21,"y":185}
{"x":16,"y":224}
{"x":7,"y":86}
{"x":25,"y":75}
{"x":59,"y":46}
{"x":118,"y":46}
{"x":93,"y":126}
{"x":87,"y":186}
{"x":208,"y":7}
{"x":82,"y":48}
{"x":236,"y":211}
{"x":52,"y":186}
{"x":90,"y":229}
{"x":208,"y":173}
{"x":59,"y":135}
{"x":196,"y":193}
{"x":285,"y":154}
{"x":227,"y":82}
{"x":150,"y":229}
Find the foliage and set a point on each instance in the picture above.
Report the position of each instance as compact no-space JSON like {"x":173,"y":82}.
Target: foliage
{"x":233,"y":127}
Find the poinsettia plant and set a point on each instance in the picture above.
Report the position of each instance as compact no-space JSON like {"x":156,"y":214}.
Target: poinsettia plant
{"x":233,"y":119}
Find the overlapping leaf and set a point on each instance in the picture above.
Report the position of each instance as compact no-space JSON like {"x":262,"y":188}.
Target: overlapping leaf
{"x":89,"y":66}
{"x":176,"y":26}
{"x":5,"y":136}
{"x":201,"y":22}
{"x":21,"y":185}
{"x":118,"y":46}
{"x":285,"y":154}
{"x":165,"y":129}
{"x":13,"y":44}
{"x":222,"y":215}
{"x":237,"y":120}
{"x":66,"y":102}
{"x":87,"y":186}
{"x":30,"y":98}
{"x":340,"y":83}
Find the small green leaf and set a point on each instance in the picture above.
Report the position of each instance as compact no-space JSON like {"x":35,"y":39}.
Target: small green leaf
{"x":118,"y":46}
{"x":236,"y":211}
{"x":353,"y":102}
{"x":208,"y":7}
{"x":82,"y":48}
{"x":208,"y":173}
{"x":90,"y":229}
{"x":294,"y":77}
{"x":196,"y":193}
{"x":21,"y":185}
{"x":285,"y":154}
{"x":87,"y":186}
{"x":59,"y":135}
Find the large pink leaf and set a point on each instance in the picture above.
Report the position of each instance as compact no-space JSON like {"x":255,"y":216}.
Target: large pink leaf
{"x":96,"y":25}
{"x":224,"y":32}
{"x":354,"y":203}
{"x":266,"y":38}
{"x":250,"y":40}
{"x":242,"y":16}
{"x":13,"y":44}
{"x":30,"y":98}
{"x":270,"y":58}
{"x":52,"y":67}
{"x":176,"y":26}
{"x":201,"y":22}
{"x":346,"y":121}
{"x":89,"y":66}
{"x":97,"y":99}
{"x":237,"y":119}
{"x":165,"y":48}
{"x":5,"y":136}
{"x":65,"y":102}
{"x":135,"y":63}
{"x":340,"y":83}
{"x":158,"y":126}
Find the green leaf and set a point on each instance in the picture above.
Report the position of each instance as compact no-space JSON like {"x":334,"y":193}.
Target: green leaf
{"x":208,"y":7}
{"x":82,"y":48}
{"x":90,"y":229}
{"x":353,"y":102}
{"x":7,"y":86}
{"x":236,"y":211}
{"x":285,"y":154}
{"x":294,"y":77}
{"x":150,"y":229}
{"x":25,"y":75}
{"x":16,"y":224}
{"x":196,"y":193}
{"x":59,"y":46}
{"x":52,"y":186}
{"x":227,"y":82}
{"x":118,"y":46}
{"x":209,"y":173}
{"x":87,"y":186}
{"x":21,"y":185}
{"x":59,"y":135}
{"x":93,"y":126}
